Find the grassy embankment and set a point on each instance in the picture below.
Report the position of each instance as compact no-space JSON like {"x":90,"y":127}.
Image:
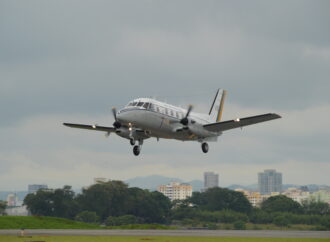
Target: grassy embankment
{"x":156,"y":239}
{"x":40,"y":222}
{"x":36,"y":222}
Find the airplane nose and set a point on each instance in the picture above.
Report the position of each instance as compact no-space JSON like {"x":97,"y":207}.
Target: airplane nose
{"x":122,"y":116}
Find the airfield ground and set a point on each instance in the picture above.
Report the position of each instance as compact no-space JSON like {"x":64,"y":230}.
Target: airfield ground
{"x":156,"y":239}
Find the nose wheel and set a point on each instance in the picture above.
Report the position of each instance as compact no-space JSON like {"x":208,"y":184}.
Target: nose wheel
{"x":136,"y":150}
{"x":205,"y":147}
{"x":132,"y":142}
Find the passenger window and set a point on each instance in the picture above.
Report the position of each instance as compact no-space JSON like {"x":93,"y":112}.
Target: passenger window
{"x":158,"y":110}
{"x":134,"y":103}
{"x":140,"y":104}
{"x":177,"y":114}
{"x":166,"y":111}
{"x":145,"y":105}
{"x":172,"y":113}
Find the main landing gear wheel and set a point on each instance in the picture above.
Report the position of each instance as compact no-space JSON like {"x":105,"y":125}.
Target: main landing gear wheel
{"x":205,"y":147}
{"x":136,"y":150}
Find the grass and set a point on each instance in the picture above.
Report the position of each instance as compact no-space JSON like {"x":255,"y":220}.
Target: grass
{"x":156,"y":239}
{"x":142,"y":226}
{"x":36,"y":222}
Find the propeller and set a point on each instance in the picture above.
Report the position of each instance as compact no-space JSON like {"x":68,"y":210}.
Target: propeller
{"x":185,"y":120}
{"x":116,"y":124}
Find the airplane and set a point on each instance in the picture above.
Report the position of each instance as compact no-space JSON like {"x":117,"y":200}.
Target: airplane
{"x":144,"y":118}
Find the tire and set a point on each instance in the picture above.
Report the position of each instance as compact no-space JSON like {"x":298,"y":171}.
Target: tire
{"x":205,"y":147}
{"x":136,"y":150}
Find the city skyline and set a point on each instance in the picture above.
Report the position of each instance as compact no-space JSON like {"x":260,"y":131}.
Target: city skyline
{"x":59,"y":64}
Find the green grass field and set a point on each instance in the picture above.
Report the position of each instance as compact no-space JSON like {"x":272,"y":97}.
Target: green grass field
{"x":32,"y":222}
{"x":141,"y":239}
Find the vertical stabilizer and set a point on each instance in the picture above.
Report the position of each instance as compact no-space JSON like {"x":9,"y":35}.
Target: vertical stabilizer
{"x":217,"y":106}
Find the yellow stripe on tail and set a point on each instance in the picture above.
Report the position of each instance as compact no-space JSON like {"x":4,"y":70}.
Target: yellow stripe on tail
{"x":224,"y":93}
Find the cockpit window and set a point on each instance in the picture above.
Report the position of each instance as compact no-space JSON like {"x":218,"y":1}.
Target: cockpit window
{"x":134,"y":103}
{"x":140,"y":104}
{"x":145,"y":105}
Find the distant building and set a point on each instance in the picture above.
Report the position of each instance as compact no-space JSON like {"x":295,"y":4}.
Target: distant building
{"x":210,"y":180}
{"x":255,"y":198}
{"x":176,"y":190}
{"x":269,"y":181}
{"x":12,"y":200}
{"x":321,"y":195}
{"x":17,"y":211}
{"x":35,"y":187}
{"x":297,"y":194}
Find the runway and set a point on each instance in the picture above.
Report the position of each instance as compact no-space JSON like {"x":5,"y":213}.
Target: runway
{"x":185,"y":233}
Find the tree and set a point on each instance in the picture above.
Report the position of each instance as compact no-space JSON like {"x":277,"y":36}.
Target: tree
{"x":281,"y":221}
{"x":64,"y":204}
{"x":281,"y":203}
{"x":55,"y":203}
{"x":3,"y":206}
{"x":106,"y":199}
{"x":87,"y":217}
{"x":121,"y":220}
{"x":153,"y":207}
{"x":217,"y":199}
{"x":239,"y":225}
{"x":316,"y":207}
{"x":40,"y":203}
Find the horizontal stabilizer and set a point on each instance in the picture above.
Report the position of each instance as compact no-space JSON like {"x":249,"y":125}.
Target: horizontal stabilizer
{"x":237,"y":123}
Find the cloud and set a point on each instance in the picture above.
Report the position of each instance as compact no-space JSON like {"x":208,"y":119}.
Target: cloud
{"x":41,"y":150}
{"x":73,"y":61}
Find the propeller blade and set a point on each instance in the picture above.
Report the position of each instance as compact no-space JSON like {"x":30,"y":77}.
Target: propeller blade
{"x":185,"y":120}
{"x":116,"y":124}
{"x":190,"y":107}
{"x":114,"y":112}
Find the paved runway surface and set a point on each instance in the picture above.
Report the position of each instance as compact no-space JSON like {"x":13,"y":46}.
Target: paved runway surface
{"x":192,"y":233}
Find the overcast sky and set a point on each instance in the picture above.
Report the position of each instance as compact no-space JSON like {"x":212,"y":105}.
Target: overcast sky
{"x":71,"y":61}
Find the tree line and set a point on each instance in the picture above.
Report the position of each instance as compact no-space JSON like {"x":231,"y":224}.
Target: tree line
{"x":114,"y":203}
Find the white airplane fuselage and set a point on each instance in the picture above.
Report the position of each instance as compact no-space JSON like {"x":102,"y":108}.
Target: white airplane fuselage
{"x":144,"y":118}
{"x":162,"y":120}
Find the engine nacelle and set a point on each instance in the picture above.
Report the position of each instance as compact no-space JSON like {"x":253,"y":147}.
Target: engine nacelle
{"x":130,"y":133}
{"x":199,"y":130}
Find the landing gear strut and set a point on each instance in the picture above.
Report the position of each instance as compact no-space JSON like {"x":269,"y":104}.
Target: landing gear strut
{"x":205,"y":147}
{"x":132,"y":142}
{"x":137,"y":148}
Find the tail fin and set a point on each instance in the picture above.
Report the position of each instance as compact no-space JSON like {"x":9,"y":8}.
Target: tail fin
{"x":217,"y":106}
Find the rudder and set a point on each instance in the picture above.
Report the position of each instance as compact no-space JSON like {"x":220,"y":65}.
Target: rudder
{"x":217,"y":106}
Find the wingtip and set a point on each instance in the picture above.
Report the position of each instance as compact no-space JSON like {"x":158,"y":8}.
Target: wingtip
{"x":277,"y":115}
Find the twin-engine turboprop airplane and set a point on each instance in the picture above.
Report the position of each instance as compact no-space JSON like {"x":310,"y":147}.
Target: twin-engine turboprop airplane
{"x":144,"y":118}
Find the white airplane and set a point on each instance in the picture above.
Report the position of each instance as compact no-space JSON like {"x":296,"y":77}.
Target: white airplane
{"x":144,"y":118}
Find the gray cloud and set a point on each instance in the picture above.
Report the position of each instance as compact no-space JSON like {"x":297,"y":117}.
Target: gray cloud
{"x":74,"y":60}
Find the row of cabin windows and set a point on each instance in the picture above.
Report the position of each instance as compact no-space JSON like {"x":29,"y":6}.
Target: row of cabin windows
{"x":157,"y":109}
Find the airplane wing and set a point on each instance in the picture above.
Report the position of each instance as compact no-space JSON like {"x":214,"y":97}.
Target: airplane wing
{"x":91,"y":127}
{"x":237,"y":123}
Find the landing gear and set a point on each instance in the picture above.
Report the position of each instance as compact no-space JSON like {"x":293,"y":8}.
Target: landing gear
{"x":136,"y":150}
{"x":205,"y":147}
{"x":132,"y":142}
